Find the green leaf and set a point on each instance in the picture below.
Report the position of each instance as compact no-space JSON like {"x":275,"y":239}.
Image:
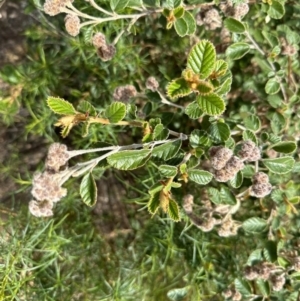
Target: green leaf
{"x":264,"y":287}
{"x":252,"y":123}
{"x":129,"y":159}
{"x":181,"y":27}
{"x":270,"y":251}
{"x":201,"y":177}
{"x":87,"y":108}
{"x":204,"y":88}
{"x":178,"y":12}
{"x":117,"y":5}
{"x":60,"y":106}
{"x":220,"y":69}
{"x":237,"y":50}
{"x":243,"y":287}
{"x":249,"y":135}
{"x":219,"y":132}
{"x":177,"y":294}
{"x":199,"y":138}
{"x":160,"y":132}
{"x":167,"y":151}
{"x":202,"y":58}
{"x":167,"y":171}
{"x":225,"y":87}
{"x":157,"y":187}
{"x":272,"y":39}
{"x":178,"y":88}
{"x":226,"y":196}
{"x":237,"y":181}
{"x":255,"y":257}
{"x":173,"y":211}
{"x":234,"y":25}
{"x":279,"y":166}
{"x":193,"y":110}
{"x":255,"y":225}
{"x":88,"y":190}
{"x":286,"y":147}
{"x":277,"y":122}
{"x":153,"y":203}
{"x":211,"y":104}
{"x":248,"y":171}
{"x":272,"y":86}
{"x":190,"y":21}
{"x":276,"y":10}
{"x":116,"y":112}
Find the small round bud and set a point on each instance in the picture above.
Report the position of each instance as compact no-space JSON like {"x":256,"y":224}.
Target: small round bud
{"x":72,"y":23}
{"x":260,"y":177}
{"x":98,"y":40}
{"x":288,"y":50}
{"x":124,"y":93}
{"x":264,"y":270}
{"x":249,"y":151}
{"x":223,"y":175}
{"x":220,"y":158}
{"x":213,"y":150}
{"x":152,"y":83}
{"x":277,"y":282}
{"x":260,"y":190}
{"x":237,"y":296}
{"x":296,"y":263}
{"x":250,"y":273}
{"x":106,"y":53}
{"x":241,"y":10}
{"x":212,"y":19}
{"x":227,"y":293}
{"x":234,"y":165}
{"x":188,"y":201}
{"x":41,"y":209}
{"x":206,"y":225}
{"x":54,"y":7}
{"x":57,"y":156}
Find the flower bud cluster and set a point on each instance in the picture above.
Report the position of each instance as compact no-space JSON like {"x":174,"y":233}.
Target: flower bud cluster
{"x":124,"y":93}
{"x":288,"y":50}
{"x":228,"y":228}
{"x":54,"y":7}
{"x":265,"y":271}
{"x":105,"y":51}
{"x":261,"y":186}
{"x":72,"y":24}
{"x":210,"y":18}
{"x":249,"y":151}
{"x":223,"y":162}
{"x":236,"y":11}
{"x":233,"y":294}
{"x":46,"y":186}
{"x":152,"y":83}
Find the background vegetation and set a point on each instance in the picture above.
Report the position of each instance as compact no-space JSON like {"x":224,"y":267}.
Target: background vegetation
{"x":115,"y":250}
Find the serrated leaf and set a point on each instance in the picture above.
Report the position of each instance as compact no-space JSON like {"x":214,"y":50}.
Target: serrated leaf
{"x":255,"y":257}
{"x":88,"y":34}
{"x":220,"y":69}
{"x":214,"y":195}
{"x":226,"y":196}
{"x":277,"y":122}
{"x":277,"y":196}
{"x":237,"y":50}
{"x":204,"y":88}
{"x":242,"y":286}
{"x":116,"y":111}
{"x":249,"y":135}
{"x":270,"y":251}
{"x":255,"y":225}
{"x":173,"y":211}
{"x":117,"y":5}
{"x":199,"y":138}
{"x":160,"y":132}
{"x":181,"y":27}
{"x":190,"y":21}
{"x":202,"y":58}
{"x":153,"y":203}
{"x":167,"y":151}
{"x":193,"y":110}
{"x":167,"y":171}
{"x":272,"y":39}
{"x":264,"y":287}
{"x":201,"y":177}
{"x":234,"y":25}
{"x":272,"y":86}
{"x":285,"y":147}
{"x":252,"y":123}
{"x":237,"y":181}
{"x":178,"y":12}
{"x":157,"y":187}
{"x":178,"y":88}
{"x":129,"y":159}
{"x":276,"y":10}
{"x":87,"y":108}
{"x":248,"y":171}
{"x":211,"y":104}
{"x":177,"y":294}
{"x":219,"y":132}
{"x":85,"y":129}
{"x":279,"y":166}
{"x":88,"y":190}
{"x":60,"y":106}
{"x":225,"y":87}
